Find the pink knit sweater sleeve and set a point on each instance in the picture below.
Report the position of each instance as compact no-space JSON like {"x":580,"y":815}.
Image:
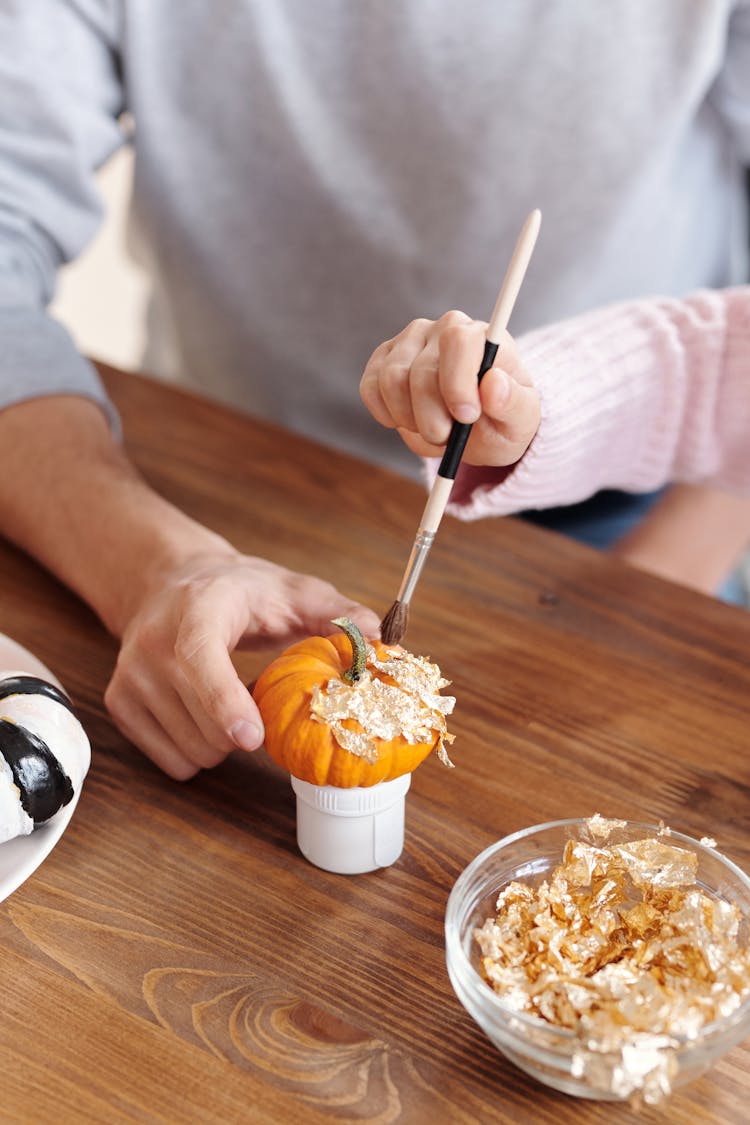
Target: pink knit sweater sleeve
{"x":633,"y":395}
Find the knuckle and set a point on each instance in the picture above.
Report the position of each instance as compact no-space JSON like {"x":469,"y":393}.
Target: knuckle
{"x":149,"y":636}
{"x":381,"y":350}
{"x":454,"y":318}
{"x":114,"y":701}
{"x":458,"y":334}
{"x":394,"y":376}
{"x":183,"y":771}
{"x":368,"y":388}
{"x":307,"y":587}
{"x":194,"y":588}
{"x":366,"y":382}
{"x":425,"y":368}
{"x":435,"y":432}
{"x":205,"y":755}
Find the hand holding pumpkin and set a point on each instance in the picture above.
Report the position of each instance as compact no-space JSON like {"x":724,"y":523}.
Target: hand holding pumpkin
{"x":175,"y":692}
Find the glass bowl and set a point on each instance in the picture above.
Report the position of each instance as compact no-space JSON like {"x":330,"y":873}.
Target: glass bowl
{"x":555,"y":1055}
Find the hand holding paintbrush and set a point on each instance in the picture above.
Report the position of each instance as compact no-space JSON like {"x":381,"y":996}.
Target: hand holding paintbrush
{"x":393,"y":625}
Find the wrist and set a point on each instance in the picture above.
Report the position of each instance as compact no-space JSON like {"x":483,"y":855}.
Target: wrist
{"x":165,"y":546}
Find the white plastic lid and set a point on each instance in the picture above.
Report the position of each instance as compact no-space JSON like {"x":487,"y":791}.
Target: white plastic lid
{"x":350,"y":831}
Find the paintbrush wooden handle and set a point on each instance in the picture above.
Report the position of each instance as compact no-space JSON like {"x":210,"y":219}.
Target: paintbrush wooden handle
{"x":393,"y":624}
{"x":514,"y":276}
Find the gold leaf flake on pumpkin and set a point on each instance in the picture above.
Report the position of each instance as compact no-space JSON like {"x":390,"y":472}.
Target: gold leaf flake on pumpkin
{"x":406,"y":705}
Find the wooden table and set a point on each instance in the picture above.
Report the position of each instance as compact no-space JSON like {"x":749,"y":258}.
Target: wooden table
{"x":176,"y":960}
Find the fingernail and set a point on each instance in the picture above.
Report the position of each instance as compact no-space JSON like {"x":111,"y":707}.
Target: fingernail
{"x":465,"y":412}
{"x":248,"y":736}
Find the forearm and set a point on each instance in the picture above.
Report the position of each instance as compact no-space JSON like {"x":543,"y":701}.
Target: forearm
{"x":180,"y":598}
{"x":70,"y":497}
{"x":695,"y":536}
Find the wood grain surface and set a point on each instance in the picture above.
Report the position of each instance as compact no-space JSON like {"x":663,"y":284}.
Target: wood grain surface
{"x":175,"y":960}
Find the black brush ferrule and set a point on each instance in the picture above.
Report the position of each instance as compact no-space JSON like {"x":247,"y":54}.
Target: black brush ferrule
{"x":460,"y":431}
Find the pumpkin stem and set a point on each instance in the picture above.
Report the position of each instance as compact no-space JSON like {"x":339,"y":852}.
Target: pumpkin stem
{"x":359,"y":649}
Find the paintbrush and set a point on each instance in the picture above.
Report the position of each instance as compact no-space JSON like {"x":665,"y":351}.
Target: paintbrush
{"x":394,"y":624}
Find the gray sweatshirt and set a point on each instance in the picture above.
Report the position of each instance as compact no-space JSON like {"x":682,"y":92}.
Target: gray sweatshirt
{"x":312,"y":174}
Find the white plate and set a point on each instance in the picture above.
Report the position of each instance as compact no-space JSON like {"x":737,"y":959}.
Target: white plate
{"x":20,"y":857}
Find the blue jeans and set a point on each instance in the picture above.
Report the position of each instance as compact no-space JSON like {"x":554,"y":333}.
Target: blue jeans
{"x":600,"y":521}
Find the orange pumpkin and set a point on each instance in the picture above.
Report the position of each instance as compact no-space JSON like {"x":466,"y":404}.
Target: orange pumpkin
{"x":308,"y":748}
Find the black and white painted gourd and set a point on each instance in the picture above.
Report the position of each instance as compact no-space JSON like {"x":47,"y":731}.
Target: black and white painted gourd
{"x":44,"y":753}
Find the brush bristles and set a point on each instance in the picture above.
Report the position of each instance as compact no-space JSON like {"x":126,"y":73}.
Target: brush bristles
{"x":393,"y":626}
